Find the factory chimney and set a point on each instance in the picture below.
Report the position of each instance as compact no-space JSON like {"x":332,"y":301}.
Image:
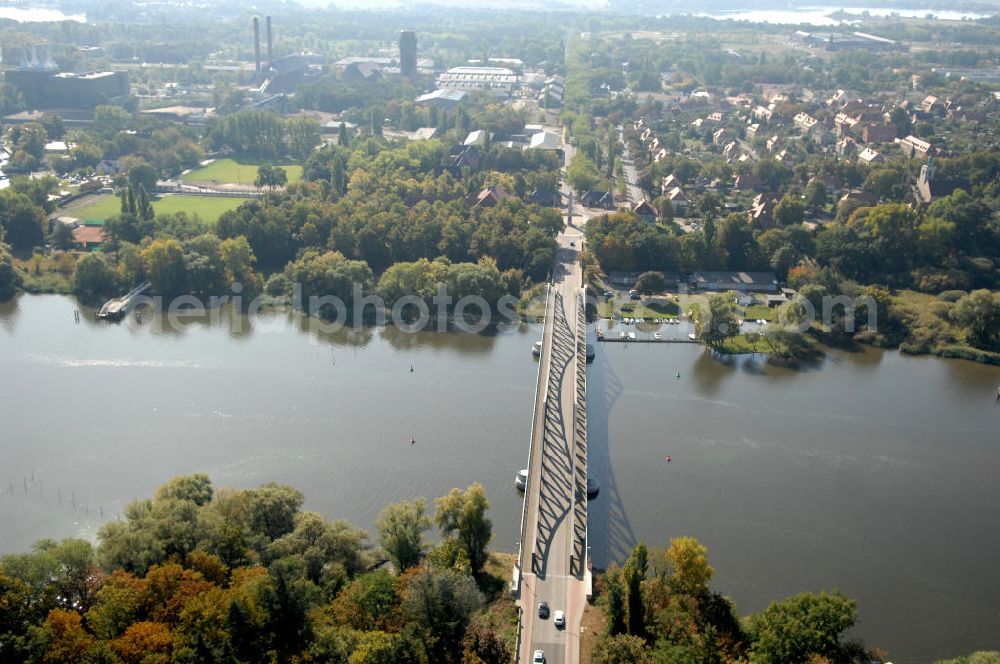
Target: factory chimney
{"x":270,"y":44}
{"x":256,"y":41}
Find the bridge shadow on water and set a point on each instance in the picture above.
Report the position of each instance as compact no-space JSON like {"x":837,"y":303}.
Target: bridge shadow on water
{"x":610,"y":536}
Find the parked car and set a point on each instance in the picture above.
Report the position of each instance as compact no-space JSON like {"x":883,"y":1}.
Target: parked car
{"x":543,"y":610}
{"x":559,"y":620}
{"x":539,"y":657}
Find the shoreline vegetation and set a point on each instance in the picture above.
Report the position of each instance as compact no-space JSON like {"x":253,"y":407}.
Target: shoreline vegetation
{"x":198,"y":574}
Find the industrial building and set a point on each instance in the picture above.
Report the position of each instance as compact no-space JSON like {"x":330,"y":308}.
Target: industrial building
{"x":41,"y":83}
{"x":495,"y":80}
{"x":282,"y":75}
{"x":834,"y":41}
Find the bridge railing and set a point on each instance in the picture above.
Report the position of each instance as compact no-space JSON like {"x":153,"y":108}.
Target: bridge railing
{"x":539,"y":381}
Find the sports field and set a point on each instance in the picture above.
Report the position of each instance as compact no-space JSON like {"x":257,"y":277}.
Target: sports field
{"x":230,"y":171}
{"x":208,"y":208}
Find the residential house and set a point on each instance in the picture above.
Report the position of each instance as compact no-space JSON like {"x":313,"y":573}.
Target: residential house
{"x":748,"y":182}
{"x":669,"y":183}
{"x":932,"y":105}
{"x":89,"y":237}
{"x":845,"y":124}
{"x":462,"y":157}
{"x":107,"y":167}
{"x":645,"y":211}
{"x":846,"y":147}
{"x":878,"y":133}
{"x":490,"y":196}
{"x":679,"y":201}
{"x":866,"y":198}
{"x":805,"y":122}
{"x":761,"y":212}
{"x":545,"y":140}
{"x":479,"y":138}
{"x":720,"y":136}
{"x":915,"y":147}
{"x":731,"y":151}
{"x":870,"y":156}
{"x":423,"y":134}
{"x":598,"y":199}
{"x":545,"y":197}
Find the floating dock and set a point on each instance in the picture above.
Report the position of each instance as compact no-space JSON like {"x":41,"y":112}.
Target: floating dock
{"x":118,"y":308}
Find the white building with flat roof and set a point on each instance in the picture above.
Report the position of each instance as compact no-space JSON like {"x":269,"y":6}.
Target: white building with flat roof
{"x":497,"y":80}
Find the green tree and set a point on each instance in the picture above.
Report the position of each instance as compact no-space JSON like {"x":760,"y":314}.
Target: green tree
{"x":165,"y":266}
{"x":303,"y":135}
{"x":10,"y":278}
{"x":716,"y":320}
{"x":613,"y":600}
{"x":582,"y":173}
{"x":979,"y":314}
{"x":463,"y":514}
{"x":440,"y":605}
{"x":801,"y":626}
{"x":633,"y":575}
{"x":621,"y":649}
{"x":789,"y":211}
{"x":401,"y":528}
{"x":664,"y":208}
{"x":93,"y":276}
{"x":22,"y":220}
{"x":143,"y":175}
{"x":651,"y":283}
{"x":816,"y":195}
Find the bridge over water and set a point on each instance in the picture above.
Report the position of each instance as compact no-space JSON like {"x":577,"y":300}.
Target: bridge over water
{"x":552,"y":563}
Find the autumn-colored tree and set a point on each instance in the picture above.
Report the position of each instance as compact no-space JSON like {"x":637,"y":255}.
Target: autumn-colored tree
{"x":64,"y":638}
{"x":142,"y":641}
{"x":689,"y":564}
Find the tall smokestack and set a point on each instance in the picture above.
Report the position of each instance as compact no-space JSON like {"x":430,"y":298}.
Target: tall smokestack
{"x":256,"y":41}
{"x":270,"y":44}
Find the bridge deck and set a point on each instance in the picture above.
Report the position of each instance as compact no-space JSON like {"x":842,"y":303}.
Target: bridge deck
{"x":553,"y":560}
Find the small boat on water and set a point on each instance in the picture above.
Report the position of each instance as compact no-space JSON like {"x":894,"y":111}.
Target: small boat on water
{"x":521,"y":479}
{"x":657,"y":336}
{"x":536,"y":349}
{"x":593,"y":487}
{"x":631,"y":336}
{"x":622,"y":335}
{"x":692,"y":337}
{"x":591,"y":353}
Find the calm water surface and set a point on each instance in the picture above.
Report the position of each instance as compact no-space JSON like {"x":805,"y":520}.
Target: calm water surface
{"x":872,"y":472}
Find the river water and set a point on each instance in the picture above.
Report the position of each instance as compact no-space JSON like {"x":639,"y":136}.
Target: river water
{"x":872,"y":471}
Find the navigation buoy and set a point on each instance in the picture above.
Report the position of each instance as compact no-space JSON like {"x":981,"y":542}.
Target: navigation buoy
{"x":412,"y":441}
{"x":678,"y":375}
{"x":668,"y":458}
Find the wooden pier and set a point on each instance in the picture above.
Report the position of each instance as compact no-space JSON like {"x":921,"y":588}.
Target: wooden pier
{"x":118,"y":308}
